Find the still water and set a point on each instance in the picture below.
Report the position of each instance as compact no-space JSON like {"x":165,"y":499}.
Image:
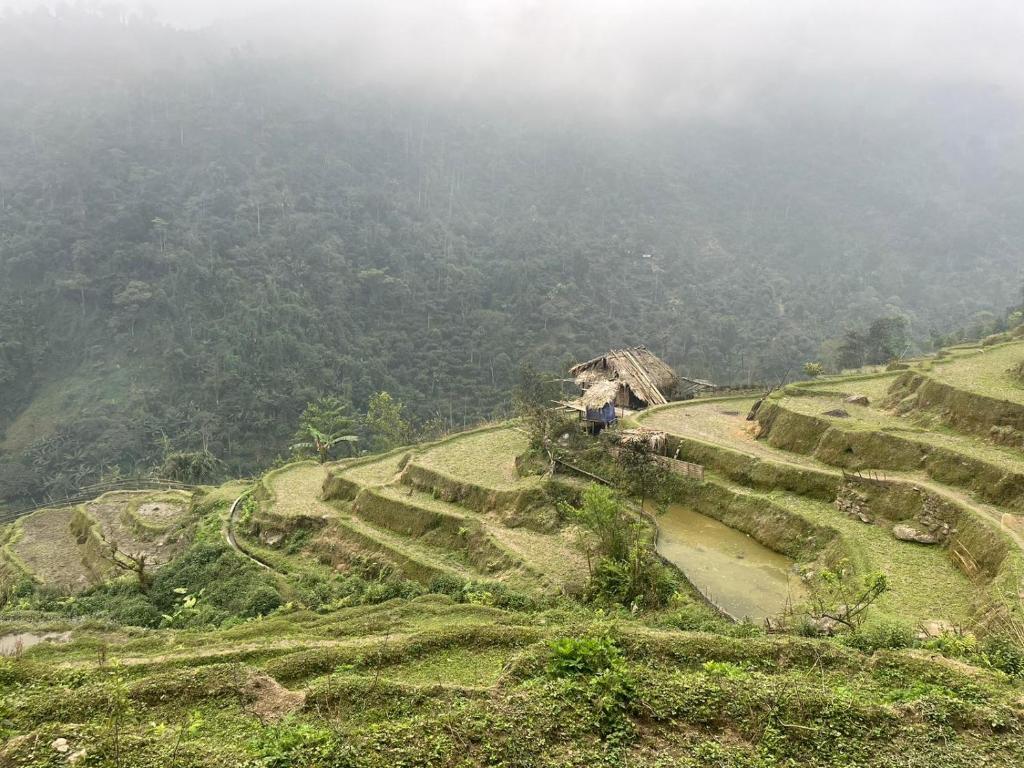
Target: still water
{"x":735,"y":572}
{"x":12,"y":645}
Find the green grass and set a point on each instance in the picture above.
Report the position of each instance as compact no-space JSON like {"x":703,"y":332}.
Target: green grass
{"x":986,"y":372}
{"x":373,"y":472}
{"x":872,"y":418}
{"x":463,"y":666}
{"x":295,"y":491}
{"x":924,"y":584}
{"x":484,"y":457}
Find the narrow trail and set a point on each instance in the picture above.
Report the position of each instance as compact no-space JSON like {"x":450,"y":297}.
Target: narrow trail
{"x":229,"y":533}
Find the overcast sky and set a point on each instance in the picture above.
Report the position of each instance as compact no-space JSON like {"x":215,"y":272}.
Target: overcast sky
{"x":668,"y":55}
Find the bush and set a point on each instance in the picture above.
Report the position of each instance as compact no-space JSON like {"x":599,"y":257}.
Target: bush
{"x":262,"y":601}
{"x":587,"y":655}
{"x":881,"y":635}
{"x":1004,"y":654}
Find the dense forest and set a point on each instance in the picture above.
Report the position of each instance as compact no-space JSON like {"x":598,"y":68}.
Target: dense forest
{"x":194,"y":244}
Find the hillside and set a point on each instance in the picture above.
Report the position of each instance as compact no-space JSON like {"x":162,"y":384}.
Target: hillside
{"x":433,"y":605}
{"x":190,"y":252}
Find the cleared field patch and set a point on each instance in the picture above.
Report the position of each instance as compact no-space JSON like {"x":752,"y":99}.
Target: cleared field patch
{"x":45,"y":543}
{"x":486,"y":458}
{"x":159,"y":511}
{"x":723,"y":422}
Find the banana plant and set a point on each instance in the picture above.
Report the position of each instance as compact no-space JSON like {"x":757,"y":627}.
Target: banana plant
{"x":322,"y":443}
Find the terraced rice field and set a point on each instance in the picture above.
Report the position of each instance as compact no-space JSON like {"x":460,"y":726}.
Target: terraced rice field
{"x":486,"y":458}
{"x":873,"y":418}
{"x":296,"y":491}
{"x":374,"y":473}
{"x":722,"y":422}
{"x":45,"y":544}
{"x":986,"y":372}
{"x":113,"y":515}
{"x":924,"y":584}
{"x":387,"y":524}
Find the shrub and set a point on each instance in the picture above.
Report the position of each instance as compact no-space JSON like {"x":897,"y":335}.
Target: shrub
{"x":880,"y":635}
{"x":813,"y":370}
{"x":586,"y":655}
{"x":1004,"y":654}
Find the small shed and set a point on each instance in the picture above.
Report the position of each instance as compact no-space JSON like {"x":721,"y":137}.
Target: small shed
{"x":639,"y":377}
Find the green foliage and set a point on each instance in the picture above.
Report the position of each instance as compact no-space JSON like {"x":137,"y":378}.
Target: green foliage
{"x":610,"y":686}
{"x":885,"y":339}
{"x":323,"y":425}
{"x":385,"y":422}
{"x":206,"y":586}
{"x":190,"y":466}
{"x":623,"y":567}
{"x":1005,"y":652}
{"x":482,"y":593}
{"x":883,"y":634}
{"x":292,"y":743}
{"x":813,"y":370}
{"x":725,"y":669}
{"x":586,"y":655}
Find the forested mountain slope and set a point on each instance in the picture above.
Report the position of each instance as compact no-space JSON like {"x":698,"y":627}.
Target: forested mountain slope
{"x":193,"y":244}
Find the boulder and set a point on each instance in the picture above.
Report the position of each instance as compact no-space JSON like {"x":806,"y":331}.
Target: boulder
{"x":858,"y":400}
{"x":905,"y":532}
{"x":60,"y":745}
{"x":838,"y":413}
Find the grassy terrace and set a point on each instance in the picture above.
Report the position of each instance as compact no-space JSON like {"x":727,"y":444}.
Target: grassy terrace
{"x":431,"y":681}
{"x":45,"y":544}
{"x":485,"y":457}
{"x":428,"y":682}
{"x":422,"y":534}
{"x":373,"y":472}
{"x":722,"y":422}
{"x":873,"y":418}
{"x":924,"y":583}
{"x":295,"y":491}
{"x":986,"y":372}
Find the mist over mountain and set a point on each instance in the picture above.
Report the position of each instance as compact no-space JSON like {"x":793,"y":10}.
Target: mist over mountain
{"x":209,"y":218}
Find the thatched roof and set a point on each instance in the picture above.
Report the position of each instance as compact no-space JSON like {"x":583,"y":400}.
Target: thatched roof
{"x":599,"y":394}
{"x":648,"y":376}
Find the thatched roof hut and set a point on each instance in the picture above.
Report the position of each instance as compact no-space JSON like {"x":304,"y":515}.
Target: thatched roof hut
{"x":639,"y":377}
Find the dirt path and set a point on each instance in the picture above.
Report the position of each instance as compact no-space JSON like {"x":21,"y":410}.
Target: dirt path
{"x":229,"y":532}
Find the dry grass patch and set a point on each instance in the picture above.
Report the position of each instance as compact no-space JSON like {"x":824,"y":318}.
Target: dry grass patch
{"x":46,"y":544}
{"x":296,"y":491}
{"x":485,"y":457}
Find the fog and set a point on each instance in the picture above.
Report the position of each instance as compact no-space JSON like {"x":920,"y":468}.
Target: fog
{"x":630,"y":57}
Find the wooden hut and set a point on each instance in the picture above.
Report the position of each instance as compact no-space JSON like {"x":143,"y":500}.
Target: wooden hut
{"x":640,"y":378}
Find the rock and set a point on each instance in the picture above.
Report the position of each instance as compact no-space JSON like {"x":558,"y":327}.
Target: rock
{"x":858,"y":400}
{"x":61,"y":745}
{"x":934,"y":628}
{"x":838,"y":413}
{"x":905,"y":532}
{"x":75,"y":757}
{"x":271,"y":538}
